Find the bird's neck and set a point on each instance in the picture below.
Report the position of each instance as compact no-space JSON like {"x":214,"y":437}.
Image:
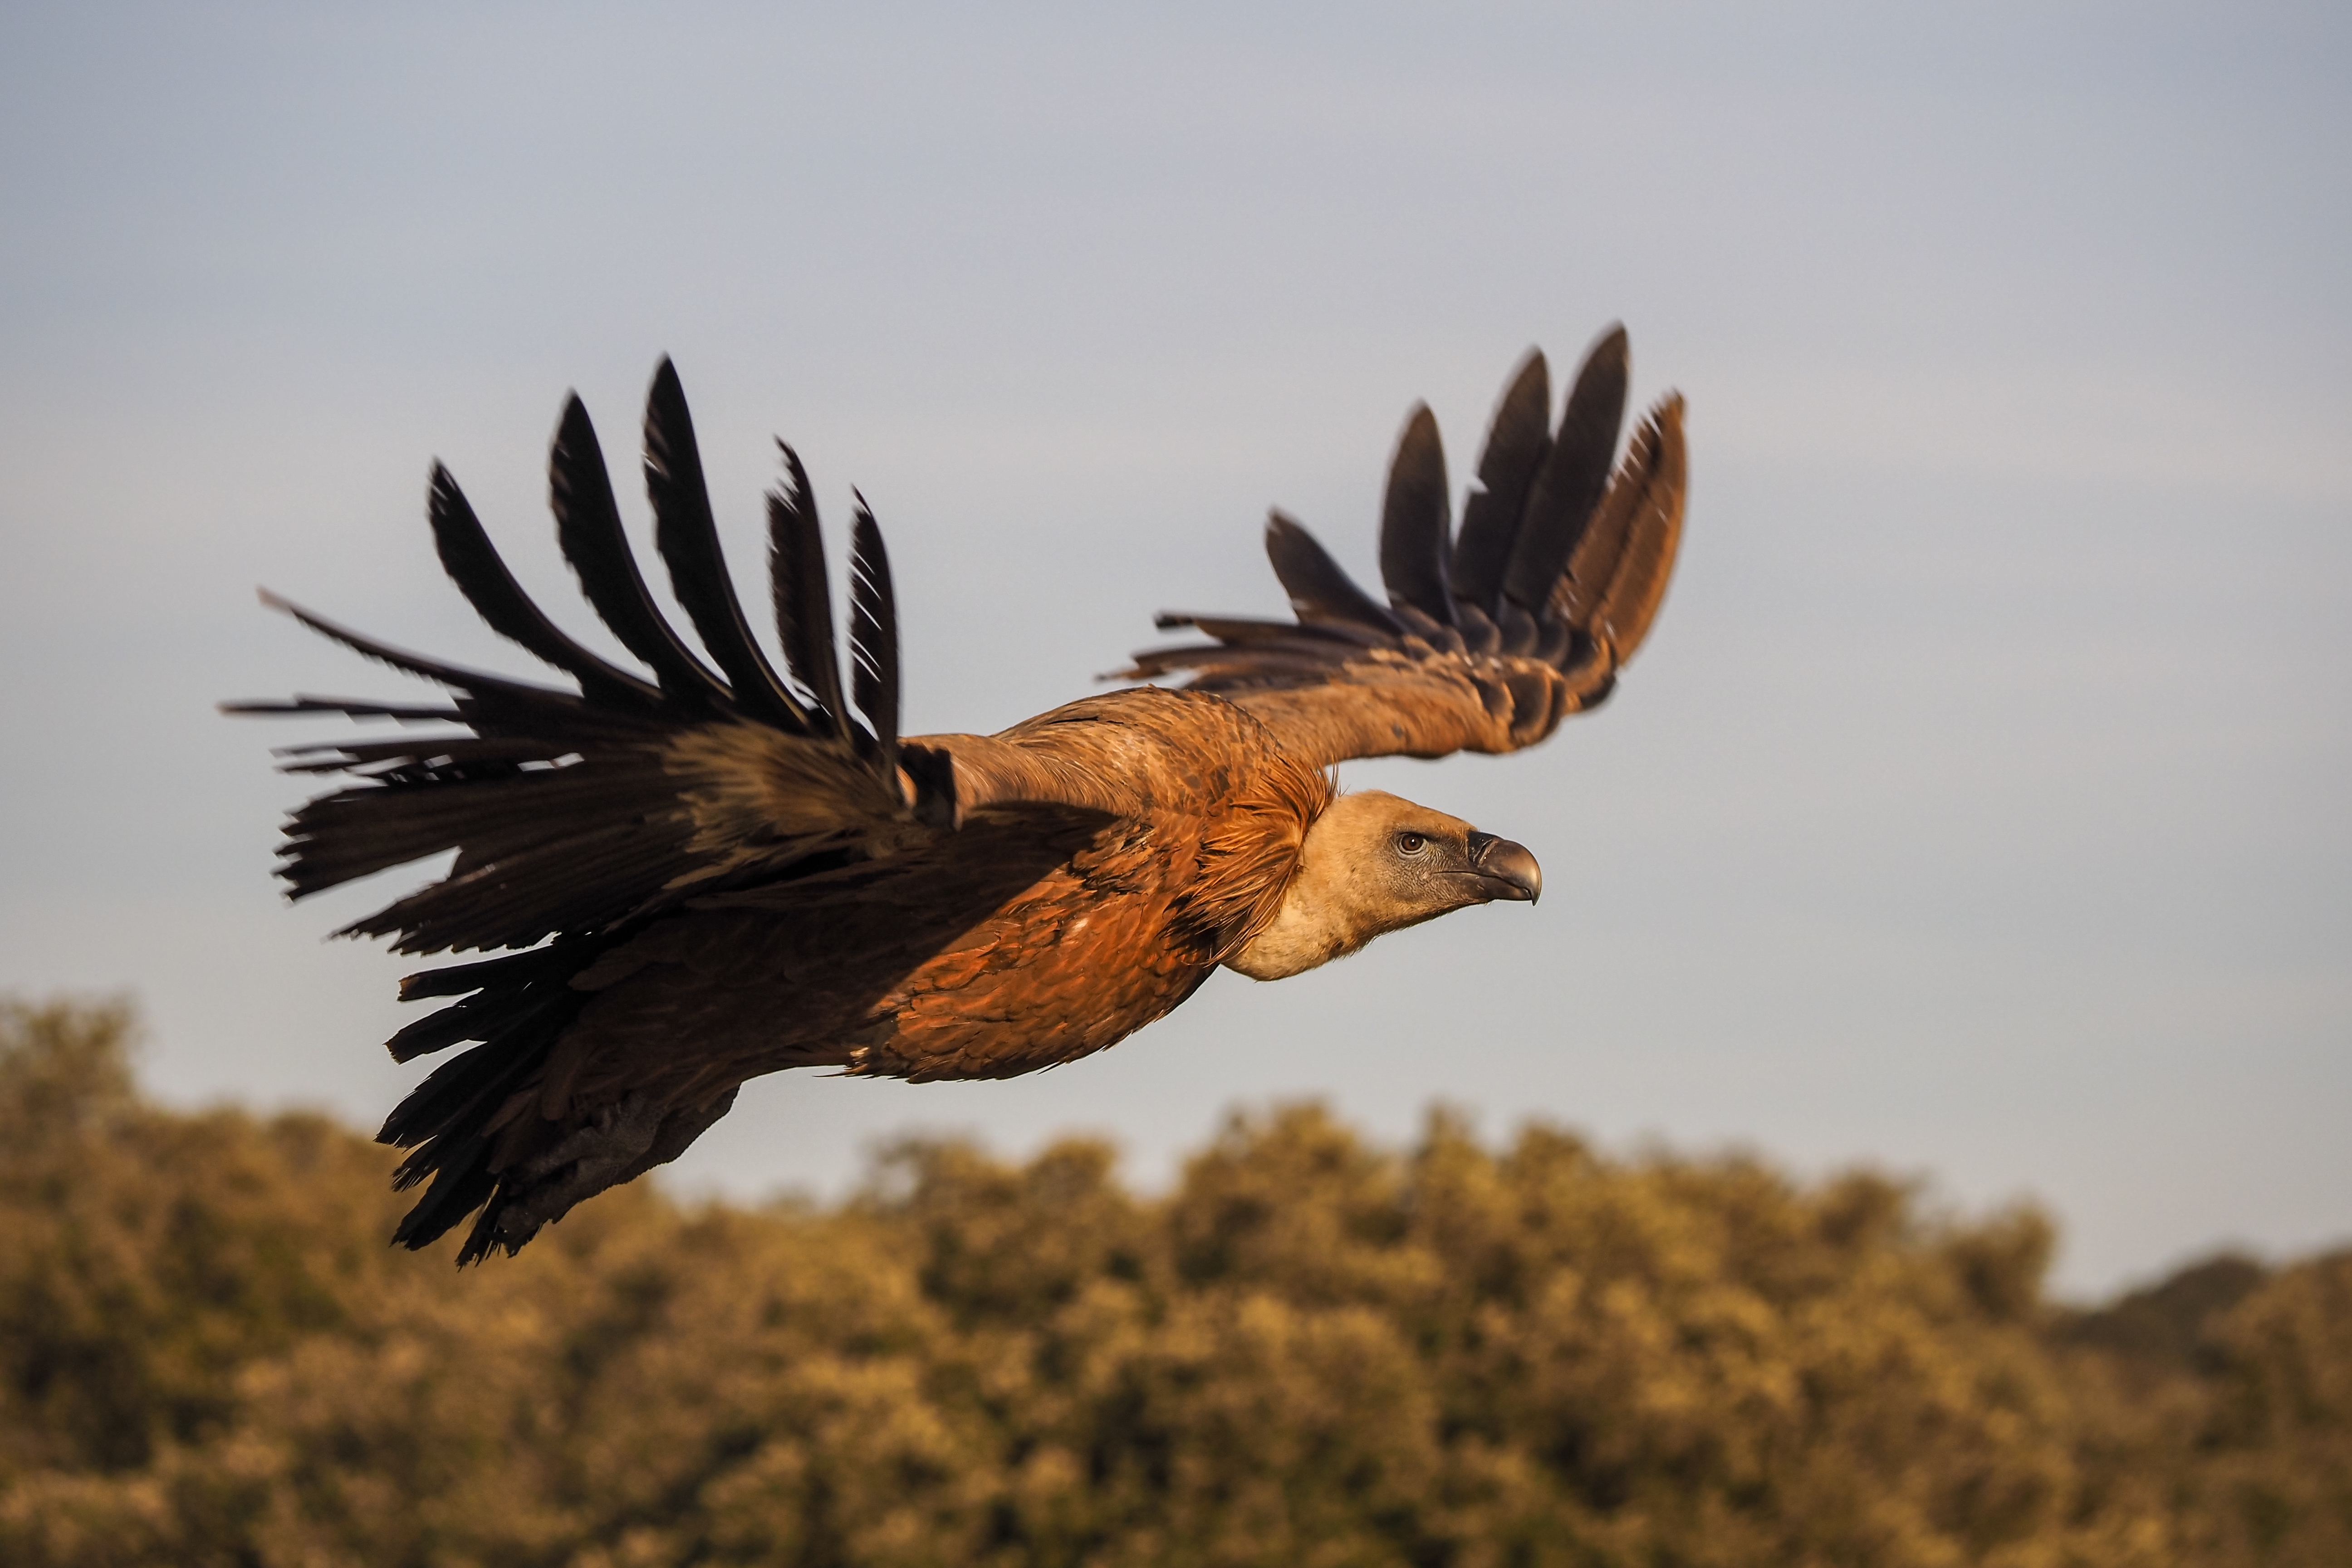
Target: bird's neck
{"x":1330,"y":910}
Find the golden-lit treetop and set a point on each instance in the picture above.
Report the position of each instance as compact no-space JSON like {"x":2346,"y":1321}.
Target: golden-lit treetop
{"x":1312,"y":1350}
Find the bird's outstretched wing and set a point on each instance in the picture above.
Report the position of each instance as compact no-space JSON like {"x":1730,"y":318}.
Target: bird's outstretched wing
{"x":581,"y":813}
{"x":599,"y":830}
{"x":1491,"y":636}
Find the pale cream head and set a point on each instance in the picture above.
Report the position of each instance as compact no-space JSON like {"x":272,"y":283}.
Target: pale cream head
{"x":1374,"y":863}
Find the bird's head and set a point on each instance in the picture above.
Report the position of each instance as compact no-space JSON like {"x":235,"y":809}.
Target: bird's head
{"x":1372,"y":863}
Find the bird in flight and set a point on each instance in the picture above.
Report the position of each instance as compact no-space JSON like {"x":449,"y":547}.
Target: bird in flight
{"x":712,"y":868}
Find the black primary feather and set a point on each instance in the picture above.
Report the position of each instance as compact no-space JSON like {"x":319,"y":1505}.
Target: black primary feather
{"x":1515,"y":445}
{"x":1655,"y":476}
{"x":588,"y":529}
{"x":352,"y":707}
{"x":688,"y":537}
{"x":802,"y":592}
{"x":1292,"y":651}
{"x":1319,"y":589}
{"x":474,"y":564}
{"x":1593,"y":565}
{"x":874,"y":635}
{"x":1573,"y":475}
{"x":1416,"y":521}
{"x":1244,"y":628}
{"x":463,"y":679}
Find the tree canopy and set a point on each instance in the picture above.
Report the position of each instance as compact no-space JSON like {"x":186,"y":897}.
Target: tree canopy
{"x":1312,"y":1350}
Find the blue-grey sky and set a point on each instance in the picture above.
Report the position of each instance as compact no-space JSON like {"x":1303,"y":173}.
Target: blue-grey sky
{"x":1981,"y":807}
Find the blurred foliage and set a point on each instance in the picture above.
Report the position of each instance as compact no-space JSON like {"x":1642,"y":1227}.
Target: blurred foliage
{"x":1311,"y":1351}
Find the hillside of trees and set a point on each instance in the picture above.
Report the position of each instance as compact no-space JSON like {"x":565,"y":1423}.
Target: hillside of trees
{"x":1312,"y":1351}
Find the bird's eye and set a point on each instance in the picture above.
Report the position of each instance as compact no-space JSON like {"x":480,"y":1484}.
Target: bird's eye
{"x":1411,"y":843}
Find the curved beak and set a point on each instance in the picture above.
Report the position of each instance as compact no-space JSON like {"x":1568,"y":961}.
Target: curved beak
{"x":1504,"y":869}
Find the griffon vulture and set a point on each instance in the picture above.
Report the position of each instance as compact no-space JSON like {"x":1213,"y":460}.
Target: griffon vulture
{"x":713,"y":868}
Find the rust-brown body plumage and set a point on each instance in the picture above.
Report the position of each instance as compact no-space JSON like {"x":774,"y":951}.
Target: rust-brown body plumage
{"x":721,"y":872}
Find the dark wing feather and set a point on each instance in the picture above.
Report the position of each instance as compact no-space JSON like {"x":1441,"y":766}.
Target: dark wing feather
{"x":1416,"y":524}
{"x":1508,"y":667}
{"x":1246,"y":628}
{"x":874,"y":635}
{"x":1320,"y":589}
{"x":1573,"y":473}
{"x":473,"y":562}
{"x":573,"y":814}
{"x":688,"y":537}
{"x":1645,"y":511}
{"x":407,"y":663}
{"x":589,"y":830}
{"x":588,"y":529}
{"x":803,"y":595}
{"x":1515,"y":445}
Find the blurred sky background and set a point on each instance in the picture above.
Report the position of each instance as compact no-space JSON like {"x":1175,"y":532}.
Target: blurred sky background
{"x":1982,"y":807}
